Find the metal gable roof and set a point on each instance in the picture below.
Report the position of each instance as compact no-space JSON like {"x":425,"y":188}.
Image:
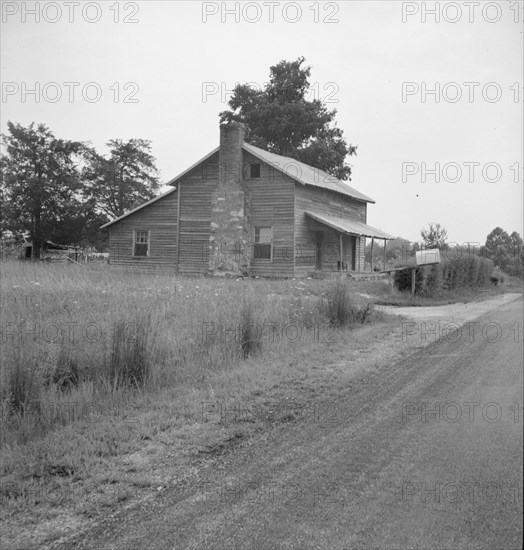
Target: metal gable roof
{"x":295,"y":169}
{"x":350,"y":227}
{"x":305,"y":174}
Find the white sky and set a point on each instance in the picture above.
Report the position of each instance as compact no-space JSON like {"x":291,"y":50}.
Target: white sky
{"x":361,"y":61}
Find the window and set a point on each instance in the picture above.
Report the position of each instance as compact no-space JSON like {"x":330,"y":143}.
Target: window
{"x":254,"y":172}
{"x":263,"y":243}
{"x":141,"y":243}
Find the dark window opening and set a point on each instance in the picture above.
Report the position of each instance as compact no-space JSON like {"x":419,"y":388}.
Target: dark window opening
{"x":254,"y":171}
{"x":141,"y":244}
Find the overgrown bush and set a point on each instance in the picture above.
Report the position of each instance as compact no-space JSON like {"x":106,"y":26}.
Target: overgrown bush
{"x":339,"y":307}
{"x":129,"y":360}
{"x":23,"y":384}
{"x":451,"y":273}
{"x":497,"y":277}
{"x":250,"y":333}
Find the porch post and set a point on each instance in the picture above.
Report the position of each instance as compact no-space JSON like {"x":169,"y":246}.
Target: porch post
{"x":385,"y":244}
{"x":359,"y":254}
{"x":340,"y":235}
{"x":371,"y":263}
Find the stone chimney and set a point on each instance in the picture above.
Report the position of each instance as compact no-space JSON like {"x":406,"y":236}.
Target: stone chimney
{"x":231,"y":140}
{"x":229,"y":228}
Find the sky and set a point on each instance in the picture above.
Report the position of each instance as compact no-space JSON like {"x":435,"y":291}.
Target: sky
{"x":430,"y":92}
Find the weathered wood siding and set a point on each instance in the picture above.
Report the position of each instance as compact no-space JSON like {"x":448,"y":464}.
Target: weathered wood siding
{"x":195,"y":217}
{"x":160,"y":219}
{"x":323,"y":201}
{"x":273,"y":200}
{"x":270,"y":203}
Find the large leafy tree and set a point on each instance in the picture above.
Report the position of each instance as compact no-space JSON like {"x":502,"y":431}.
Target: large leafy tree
{"x":497,"y":247}
{"x":505,"y":250}
{"x":124,"y":178}
{"x":280,"y":119}
{"x":41,"y":184}
{"x":516,"y":266}
{"x":434,"y":236}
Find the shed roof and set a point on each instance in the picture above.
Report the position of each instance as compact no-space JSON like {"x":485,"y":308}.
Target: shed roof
{"x":305,"y":174}
{"x":349,"y":227}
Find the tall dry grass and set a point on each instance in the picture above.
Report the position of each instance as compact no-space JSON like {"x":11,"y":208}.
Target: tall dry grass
{"x":74,"y":335}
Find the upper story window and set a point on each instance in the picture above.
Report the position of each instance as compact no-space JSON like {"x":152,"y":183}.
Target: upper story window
{"x":141,"y":243}
{"x":254,"y":170}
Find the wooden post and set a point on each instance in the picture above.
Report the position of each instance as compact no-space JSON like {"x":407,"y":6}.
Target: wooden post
{"x":372,"y":243}
{"x":385,"y":244}
{"x":341,"y":265}
{"x":413,"y":277}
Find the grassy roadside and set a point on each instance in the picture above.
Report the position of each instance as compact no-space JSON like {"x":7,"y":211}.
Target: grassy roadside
{"x":89,"y":467}
{"x":459,"y":295}
{"x":404,"y":299}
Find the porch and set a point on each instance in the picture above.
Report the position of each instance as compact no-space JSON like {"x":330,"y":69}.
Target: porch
{"x":347,"y":244}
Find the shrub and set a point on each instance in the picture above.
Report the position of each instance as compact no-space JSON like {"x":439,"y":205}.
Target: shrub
{"x":128,"y":362}
{"x":452,"y":273}
{"x":497,"y":277}
{"x":435,"y":280}
{"x":23,"y":385}
{"x":340,"y":309}
{"x":250,"y":333}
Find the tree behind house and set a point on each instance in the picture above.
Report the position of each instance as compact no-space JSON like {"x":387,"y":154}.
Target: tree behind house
{"x":123,"y":180}
{"x":280,"y":119}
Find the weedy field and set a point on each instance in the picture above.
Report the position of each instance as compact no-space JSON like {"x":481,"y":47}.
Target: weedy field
{"x":85,"y":334}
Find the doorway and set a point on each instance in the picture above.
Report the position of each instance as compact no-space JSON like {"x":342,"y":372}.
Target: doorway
{"x":319,"y":243}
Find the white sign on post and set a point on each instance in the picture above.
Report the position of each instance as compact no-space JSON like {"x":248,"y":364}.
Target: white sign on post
{"x":429,"y":256}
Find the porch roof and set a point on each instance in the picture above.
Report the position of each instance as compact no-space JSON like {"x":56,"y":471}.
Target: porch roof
{"x":350,"y":227}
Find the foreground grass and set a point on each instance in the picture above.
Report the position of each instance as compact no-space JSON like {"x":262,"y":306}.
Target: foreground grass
{"x":77,"y":335}
{"x":154,"y":440}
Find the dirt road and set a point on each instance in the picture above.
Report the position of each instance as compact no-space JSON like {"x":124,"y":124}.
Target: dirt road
{"x":425,"y":453}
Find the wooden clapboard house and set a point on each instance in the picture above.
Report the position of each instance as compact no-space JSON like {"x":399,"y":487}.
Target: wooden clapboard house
{"x":241,"y":210}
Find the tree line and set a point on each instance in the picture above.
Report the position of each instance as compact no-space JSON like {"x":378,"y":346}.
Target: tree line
{"x":505,"y":249}
{"x":62,"y":191}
